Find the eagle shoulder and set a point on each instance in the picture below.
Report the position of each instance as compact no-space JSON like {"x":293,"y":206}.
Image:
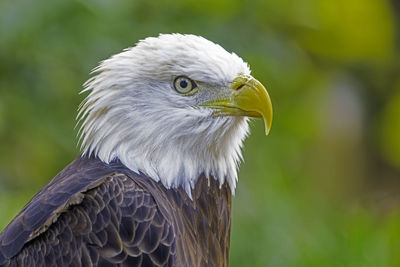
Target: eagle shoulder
{"x":89,"y":214}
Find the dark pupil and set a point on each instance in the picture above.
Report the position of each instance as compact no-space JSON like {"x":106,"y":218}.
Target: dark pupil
{"x":183,"y":83}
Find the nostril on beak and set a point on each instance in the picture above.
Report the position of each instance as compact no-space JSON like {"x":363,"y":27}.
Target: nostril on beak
{"x":239,"y":87}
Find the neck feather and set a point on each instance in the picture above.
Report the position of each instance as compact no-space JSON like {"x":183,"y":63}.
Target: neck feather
{"x":174,"y":151}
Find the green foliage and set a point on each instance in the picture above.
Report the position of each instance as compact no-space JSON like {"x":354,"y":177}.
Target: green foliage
{"x":390,"y":125}
{"x":320,"y":190}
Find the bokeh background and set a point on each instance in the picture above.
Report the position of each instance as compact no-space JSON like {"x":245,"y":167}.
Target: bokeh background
{"x":323,"y":189}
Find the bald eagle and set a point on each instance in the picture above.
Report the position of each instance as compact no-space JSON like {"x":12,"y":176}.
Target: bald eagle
{"x":161,"y":133}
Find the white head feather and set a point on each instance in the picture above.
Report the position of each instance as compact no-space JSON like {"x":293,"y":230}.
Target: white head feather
{"x":134,"y":114}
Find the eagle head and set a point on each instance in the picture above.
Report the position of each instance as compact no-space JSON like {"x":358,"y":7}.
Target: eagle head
{"x":174,"y":107}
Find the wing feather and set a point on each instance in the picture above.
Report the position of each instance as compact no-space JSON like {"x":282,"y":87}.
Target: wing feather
{"x":89,"y":215}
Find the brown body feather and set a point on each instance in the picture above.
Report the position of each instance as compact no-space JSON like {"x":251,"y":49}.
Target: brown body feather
{"x":97,"y":214}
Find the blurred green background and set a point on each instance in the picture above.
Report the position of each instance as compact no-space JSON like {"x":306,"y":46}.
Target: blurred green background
{"x":323,"y":189}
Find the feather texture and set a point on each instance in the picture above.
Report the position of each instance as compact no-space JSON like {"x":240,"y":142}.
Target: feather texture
{"x":97,"y":214}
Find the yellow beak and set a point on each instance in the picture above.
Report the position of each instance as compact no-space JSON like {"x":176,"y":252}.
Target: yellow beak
{"x":249,"y":98}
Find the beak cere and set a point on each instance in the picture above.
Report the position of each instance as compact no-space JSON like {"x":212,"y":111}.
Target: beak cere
{"x":249,"y":98}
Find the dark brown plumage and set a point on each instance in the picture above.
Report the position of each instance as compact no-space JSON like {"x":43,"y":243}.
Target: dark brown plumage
{"x":97,"y":214}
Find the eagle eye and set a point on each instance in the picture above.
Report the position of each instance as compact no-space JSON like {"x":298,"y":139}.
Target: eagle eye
{"x":184,"y":85}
